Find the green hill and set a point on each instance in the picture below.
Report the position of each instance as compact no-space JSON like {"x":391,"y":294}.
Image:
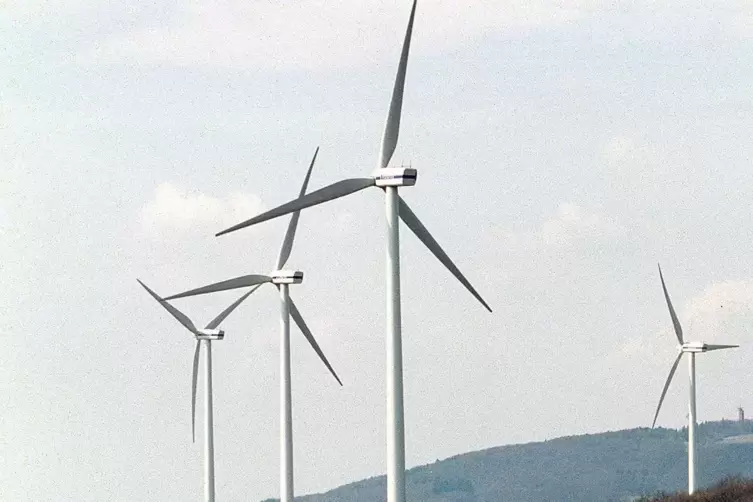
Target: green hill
{"x":612,"y":466}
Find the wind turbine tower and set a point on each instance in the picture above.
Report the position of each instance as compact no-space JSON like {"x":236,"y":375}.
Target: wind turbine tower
{"x":691,"y":348}
{"x":282,"y":278}
{"x":389,"y":180}
{"x":203,"y":337}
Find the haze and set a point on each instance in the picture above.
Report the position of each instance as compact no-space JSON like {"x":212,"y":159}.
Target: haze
{"x":563,"y":149}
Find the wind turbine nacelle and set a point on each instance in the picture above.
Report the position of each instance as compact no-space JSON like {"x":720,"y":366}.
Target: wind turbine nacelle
{"x":210,"y":334}
{"x":694,"y":347}
{"x":395,"y":177}
{"x":287,"y":277}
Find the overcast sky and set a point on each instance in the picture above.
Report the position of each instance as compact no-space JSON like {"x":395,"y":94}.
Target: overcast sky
{"x":563,"y":148}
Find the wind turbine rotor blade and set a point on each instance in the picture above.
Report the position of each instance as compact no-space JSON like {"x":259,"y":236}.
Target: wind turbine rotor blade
{"x":193,"y":388}
{"x":239,"y":282}
{"x":177,"y":314}
{"x":720,"y":347}
{"x":666,"y":386}
{"x":415,"y":225}
{"x":331,"y":192}
{"x":298,"y":318}
{"x":217,"y":320}
{"x":287,"y":243}
{"x":675,"y":321}
{"x":392,"y":127}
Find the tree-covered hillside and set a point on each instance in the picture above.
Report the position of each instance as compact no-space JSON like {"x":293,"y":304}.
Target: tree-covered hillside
{"x":728,"y":490}
{"x":612,"y":466}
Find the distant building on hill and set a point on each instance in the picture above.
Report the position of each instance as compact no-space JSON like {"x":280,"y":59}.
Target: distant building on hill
{"x":740,"y":414}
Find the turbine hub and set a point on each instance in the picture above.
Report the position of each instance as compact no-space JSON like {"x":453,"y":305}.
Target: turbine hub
{"x":395,"y":177}
{"x":287,"y":277}
{"x":694,"y":347}
{"x":210,"y":334}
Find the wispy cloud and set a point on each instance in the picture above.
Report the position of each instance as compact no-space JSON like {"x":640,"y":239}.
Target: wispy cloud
{"x":708,"y":316}
{"x":718,"y":304}
{"x":570,"y":222}
{"x":176,"y":210}
{"x":315,"y":33}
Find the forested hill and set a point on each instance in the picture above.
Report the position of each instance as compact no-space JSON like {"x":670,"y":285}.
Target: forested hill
{"x":612,"y":466}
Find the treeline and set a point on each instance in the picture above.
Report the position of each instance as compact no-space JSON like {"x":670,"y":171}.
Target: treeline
{"x":729,"y":490}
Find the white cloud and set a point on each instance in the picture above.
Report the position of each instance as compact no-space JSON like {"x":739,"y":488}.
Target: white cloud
{"x":618,"y":148}
{"x":570,"y":223}
{"x":316,"y":33}
{"x":707,"y":317}
{"x":631,"y":159}
{"x":4,"y":218}
{"x":718,"y":304}
{"x":633,"y":347}
{"x":174,"y":209}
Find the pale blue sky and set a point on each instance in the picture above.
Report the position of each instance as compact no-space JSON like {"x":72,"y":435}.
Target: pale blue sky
{"x":563,"y":149}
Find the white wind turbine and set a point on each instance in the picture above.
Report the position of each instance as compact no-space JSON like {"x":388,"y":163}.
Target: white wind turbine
{"x":282,"y":279}
{"x":691,"y":348}
{"x":204,"y":336}
{"x":388,"y":179}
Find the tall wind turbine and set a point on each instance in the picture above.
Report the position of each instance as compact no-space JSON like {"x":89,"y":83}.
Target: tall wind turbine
{"x":691,"y":348}
{"x":282,"y":279}
{"x":205,"y":337}
{"x":388,"y":179}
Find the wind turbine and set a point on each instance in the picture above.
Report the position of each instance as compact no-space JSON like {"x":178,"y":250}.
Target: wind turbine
{"x":691,"y":348}
{"x":388,"y":179}
{"x":205,"y":337}
{"x":282,"y":279}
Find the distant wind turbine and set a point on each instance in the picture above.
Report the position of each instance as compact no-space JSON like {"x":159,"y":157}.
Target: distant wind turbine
{"x":205,"y":336}
{"x":388,"y":179}
{"x":692,"y":348}
{"x":282,"y":279}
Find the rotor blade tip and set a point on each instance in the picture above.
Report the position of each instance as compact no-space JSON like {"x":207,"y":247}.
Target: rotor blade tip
{"x":231,"y":229}
{"x":227,"y":230}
